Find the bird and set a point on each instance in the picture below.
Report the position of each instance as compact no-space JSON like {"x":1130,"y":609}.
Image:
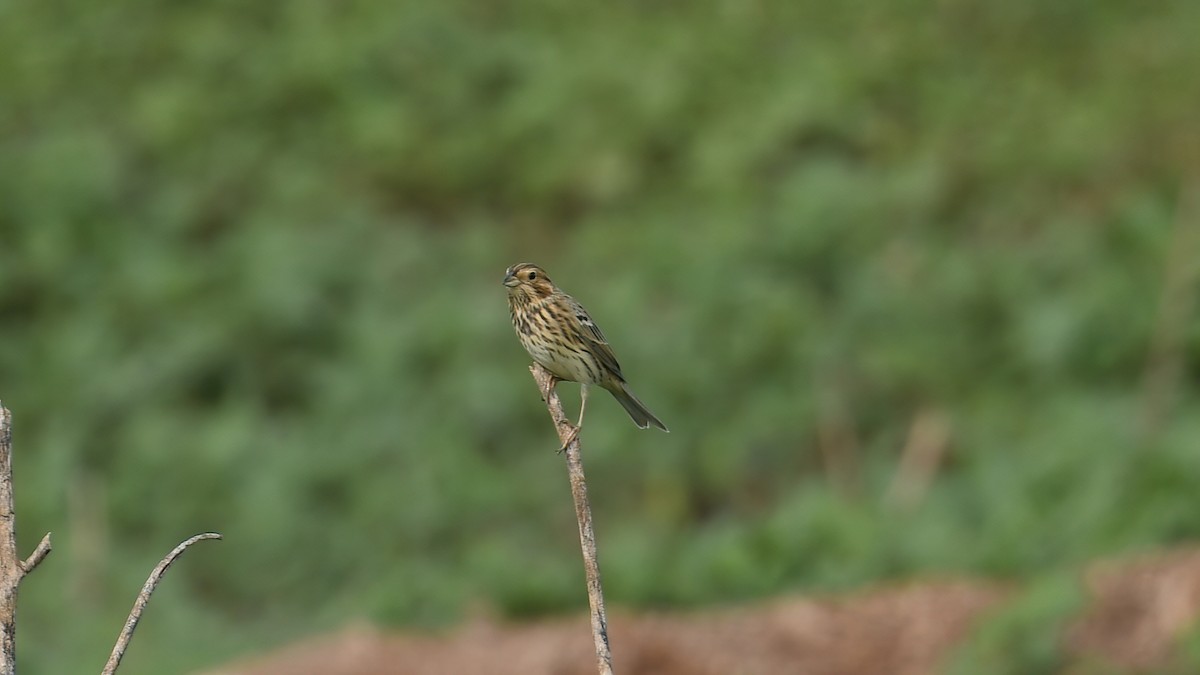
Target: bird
{"x":560,"y":336}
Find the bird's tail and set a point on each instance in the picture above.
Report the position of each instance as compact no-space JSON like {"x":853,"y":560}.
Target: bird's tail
{"x":637,"y":410}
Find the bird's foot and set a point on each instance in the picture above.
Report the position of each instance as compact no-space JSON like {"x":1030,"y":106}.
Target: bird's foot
{"x":570,"y":439}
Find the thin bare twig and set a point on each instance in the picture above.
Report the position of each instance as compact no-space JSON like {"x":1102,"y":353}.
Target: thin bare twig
{"x":39,"y":554}
{"x":583,"y":513}
{"x":139,"y":605}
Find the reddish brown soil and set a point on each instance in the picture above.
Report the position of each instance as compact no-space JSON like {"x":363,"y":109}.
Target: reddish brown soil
{"x":1138,"y":609}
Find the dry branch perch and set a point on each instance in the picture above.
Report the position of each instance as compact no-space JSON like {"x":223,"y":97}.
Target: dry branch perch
{"x":583,"y":512}
{"x":139,"y":605}
{"x":11,"y":566}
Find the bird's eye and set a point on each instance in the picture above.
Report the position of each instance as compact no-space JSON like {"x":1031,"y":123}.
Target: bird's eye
{"x":532,"y":276}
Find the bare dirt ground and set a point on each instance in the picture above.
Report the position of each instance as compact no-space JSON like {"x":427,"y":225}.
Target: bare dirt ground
{"x":1137,"y":610}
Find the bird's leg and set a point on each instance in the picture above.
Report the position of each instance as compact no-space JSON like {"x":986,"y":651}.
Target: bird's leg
{"x":583,"y":392}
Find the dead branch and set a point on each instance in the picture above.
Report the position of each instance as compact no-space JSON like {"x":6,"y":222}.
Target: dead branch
{"x":11,"y":567}
{"x":139,"y":605}
{"x":583,"y":513}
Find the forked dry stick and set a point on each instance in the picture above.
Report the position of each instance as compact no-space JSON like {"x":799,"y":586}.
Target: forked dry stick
{"x":139,"y":605}
{"x":583,"y":513}
{"x":12,"y":569}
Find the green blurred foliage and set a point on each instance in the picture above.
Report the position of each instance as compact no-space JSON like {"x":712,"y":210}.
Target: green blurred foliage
{"x":249,"y":282}
{"x":1026,"y":635}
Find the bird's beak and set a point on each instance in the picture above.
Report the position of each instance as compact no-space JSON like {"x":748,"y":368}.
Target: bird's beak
{"x":509,"y":279}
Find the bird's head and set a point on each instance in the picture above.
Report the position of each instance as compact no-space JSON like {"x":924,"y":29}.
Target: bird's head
{"x":528,"y":282}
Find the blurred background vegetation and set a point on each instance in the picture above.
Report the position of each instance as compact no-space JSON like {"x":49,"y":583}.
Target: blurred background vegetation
{"x":250,"y":257}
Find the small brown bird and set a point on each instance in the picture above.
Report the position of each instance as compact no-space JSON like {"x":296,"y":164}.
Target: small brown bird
{"x":558,"y":333}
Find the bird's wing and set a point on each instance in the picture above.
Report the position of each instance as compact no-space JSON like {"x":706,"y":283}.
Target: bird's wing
{"x":595,"y":338}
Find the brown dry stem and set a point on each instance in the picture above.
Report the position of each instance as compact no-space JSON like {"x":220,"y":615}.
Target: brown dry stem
{"x":12,"y":569}
{"x":139,"y":605}
{"x":583,"y":513}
